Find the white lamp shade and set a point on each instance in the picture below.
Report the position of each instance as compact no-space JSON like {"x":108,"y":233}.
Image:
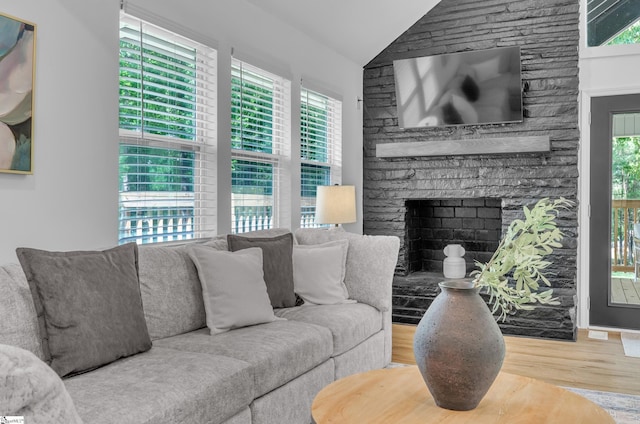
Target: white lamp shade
{"x":336,"y":204}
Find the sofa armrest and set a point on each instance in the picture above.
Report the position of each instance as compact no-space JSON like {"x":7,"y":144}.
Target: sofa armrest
{"x":371,"y":262}
{"x":18,"y":322}
{"x":30,"y":388}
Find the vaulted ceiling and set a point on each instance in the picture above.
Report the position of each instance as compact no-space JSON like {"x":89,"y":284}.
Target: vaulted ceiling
{"x":356,"y":29}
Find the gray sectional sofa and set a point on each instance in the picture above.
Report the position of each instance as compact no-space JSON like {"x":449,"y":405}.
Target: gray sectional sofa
{"x":267,"y":373}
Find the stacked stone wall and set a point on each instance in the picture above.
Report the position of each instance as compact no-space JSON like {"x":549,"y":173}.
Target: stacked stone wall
{"x":547,"y":32}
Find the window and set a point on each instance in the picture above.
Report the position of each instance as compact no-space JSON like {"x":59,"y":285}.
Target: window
{"x":631,"y":35}
{"x":612,"y":22}
{"x":260,"y":146}
{"x":167,"y":135}
{"x":320,"y":148}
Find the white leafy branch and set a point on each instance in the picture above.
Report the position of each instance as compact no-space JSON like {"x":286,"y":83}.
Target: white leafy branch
{"x":522,"y":253}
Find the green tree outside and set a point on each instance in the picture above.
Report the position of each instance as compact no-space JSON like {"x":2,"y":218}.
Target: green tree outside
{"x":314,"y":142}
{"x":157,"y":96}
{"x":625,"y":184}
{"x":626,"y":168}
{"x":629,"y":36}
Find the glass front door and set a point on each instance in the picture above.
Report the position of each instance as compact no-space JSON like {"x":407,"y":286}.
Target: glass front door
{"x":615,"y":211}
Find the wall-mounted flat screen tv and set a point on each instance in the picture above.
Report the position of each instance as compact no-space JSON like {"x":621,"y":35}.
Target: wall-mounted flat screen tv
{"x":466,"y":88}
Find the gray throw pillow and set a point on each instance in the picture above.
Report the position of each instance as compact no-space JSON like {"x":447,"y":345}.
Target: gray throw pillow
{"x":319,"y":270}
{"x":233,"y":288}
{"x":88,"y":305}
{"x":277,"y":264}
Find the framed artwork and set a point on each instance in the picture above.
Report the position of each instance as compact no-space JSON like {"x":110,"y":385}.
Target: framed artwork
{"x":17,"y":72}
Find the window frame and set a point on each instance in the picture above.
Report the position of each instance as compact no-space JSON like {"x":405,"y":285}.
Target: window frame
{"x":279,"y":158}
{"x":334,"y":149}
{"x":202,"y":144}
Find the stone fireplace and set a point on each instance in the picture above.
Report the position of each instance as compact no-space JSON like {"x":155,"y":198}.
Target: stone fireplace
{"x":428,"y":225}
{"x":403,"y":190}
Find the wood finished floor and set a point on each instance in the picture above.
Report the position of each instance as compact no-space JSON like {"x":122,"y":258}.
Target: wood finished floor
{"x":587,"y":363}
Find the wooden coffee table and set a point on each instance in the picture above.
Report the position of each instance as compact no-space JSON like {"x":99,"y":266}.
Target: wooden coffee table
{"x":399,"y":395}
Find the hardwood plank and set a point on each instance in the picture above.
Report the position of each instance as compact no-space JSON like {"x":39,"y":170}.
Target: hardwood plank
{"x":630,"y":292}
{"x":402,"y":343}
{"x":636,"y":287}
{"x":528,"y":144}
{"x":587,"y":363}
{"x":617,"y":293}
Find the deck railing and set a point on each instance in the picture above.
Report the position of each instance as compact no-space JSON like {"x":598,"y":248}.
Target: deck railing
{"x":154,"y":225}
{"x":167,"y":224}
{"x":158,"y":224}
{"x":625,"y":213}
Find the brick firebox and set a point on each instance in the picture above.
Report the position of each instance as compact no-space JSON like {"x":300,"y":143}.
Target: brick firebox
{"x":433,"y":223}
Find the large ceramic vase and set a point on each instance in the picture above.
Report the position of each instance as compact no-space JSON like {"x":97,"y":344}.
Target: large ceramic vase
{"x":458,"y":346}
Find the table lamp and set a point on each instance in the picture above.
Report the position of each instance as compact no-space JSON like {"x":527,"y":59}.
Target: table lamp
{"x":336,"y":204}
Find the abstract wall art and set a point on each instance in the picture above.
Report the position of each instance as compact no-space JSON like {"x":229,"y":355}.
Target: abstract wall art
{"x":17,"y":60}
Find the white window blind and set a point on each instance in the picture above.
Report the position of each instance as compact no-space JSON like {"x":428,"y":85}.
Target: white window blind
{"x":167,"y":125}
{"x":320,"y":148}
{"x":260,"y":142}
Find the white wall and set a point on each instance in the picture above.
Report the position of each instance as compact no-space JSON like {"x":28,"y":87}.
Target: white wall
{"x":604,"y":71}
{"x":70,"y":202}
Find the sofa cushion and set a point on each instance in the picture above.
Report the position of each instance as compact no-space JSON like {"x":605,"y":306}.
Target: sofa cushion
{"x":233,"y":288}
{"x":278,"y":351}
{"x":319,"y":271}
{"x":171,"y":291}
{"x":278,"y":265}
{"x":88,"y":304}
{"x":31,"y":389}
{"x":350,"y":324}
{"x":163,"y":386}
{"x":371,"y":262}
{"x":242,"y":417}
{"x":368,"y":355}
{"x":301,"y":391}
{"x":19,"y":324}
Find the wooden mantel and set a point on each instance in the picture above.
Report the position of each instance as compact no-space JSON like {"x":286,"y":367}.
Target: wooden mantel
{"x":477,"y":146}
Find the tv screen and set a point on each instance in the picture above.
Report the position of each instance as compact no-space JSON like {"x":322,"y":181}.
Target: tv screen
{"x":467,"y":88}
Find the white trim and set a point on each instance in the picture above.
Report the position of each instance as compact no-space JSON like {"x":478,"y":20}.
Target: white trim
{"x":296,"y":171}
{"x":168,"y":24}
{"x":612,"y":330}
{"x":584,"y":169}
{"x":311,"y":85}
{"x":223,"y":166}
{"x":619,"y":50}
{"x":258,"y":64}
